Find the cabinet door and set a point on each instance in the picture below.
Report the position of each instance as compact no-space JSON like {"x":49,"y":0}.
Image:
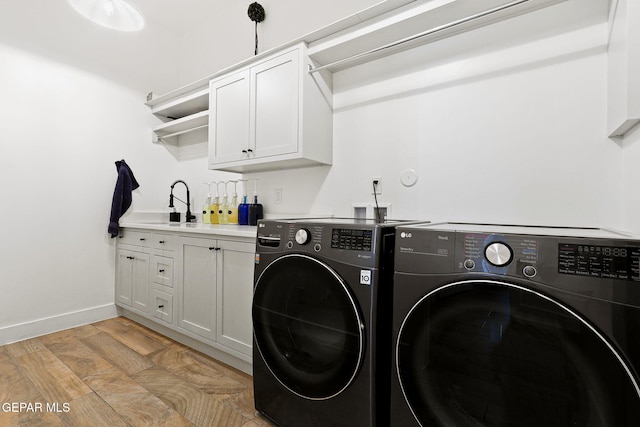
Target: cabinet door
{"x":235,"y":294}
{"x":124,"y":276}
{"x":229,"y":118}
{"x":132,"y":287}
{"x":197,"y":287}
{"x":274,"y":106}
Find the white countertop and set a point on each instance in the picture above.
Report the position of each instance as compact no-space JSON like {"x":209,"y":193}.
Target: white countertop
{"x":196,"y":228}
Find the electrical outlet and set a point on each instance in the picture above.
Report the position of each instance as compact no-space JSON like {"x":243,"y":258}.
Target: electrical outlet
{"x":376,"y":183}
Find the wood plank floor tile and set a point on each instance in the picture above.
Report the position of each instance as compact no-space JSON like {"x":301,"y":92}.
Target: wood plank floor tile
{"x":131,"y":337}
{"x":117,"y":353}
{"x":134,"y":403}
{"x":198,"y":371}
{"x":78,"y":332}
{"x":6,"y":361}
{"x":53,"y":379}
{"x":201,"y":408}
{"x":21,"y":348}
{"x":81,"y":359}
{"x":30,"y":419}
{"x":91,"y":410}
{"x":16,"y":387}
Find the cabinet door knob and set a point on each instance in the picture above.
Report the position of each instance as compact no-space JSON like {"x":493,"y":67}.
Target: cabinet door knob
{"x":161,"y":242}
{"x":161,"y":271}
{"x":212,"y":248}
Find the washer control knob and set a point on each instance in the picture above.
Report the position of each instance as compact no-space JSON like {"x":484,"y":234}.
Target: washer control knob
{"x":529,"y":271}
{"x":303,"y":236}
{"x":498,"y":254}
{"x":469,"y":264}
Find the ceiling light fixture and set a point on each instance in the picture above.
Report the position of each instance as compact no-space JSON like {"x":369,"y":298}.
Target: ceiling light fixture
{"x":114,"y":14}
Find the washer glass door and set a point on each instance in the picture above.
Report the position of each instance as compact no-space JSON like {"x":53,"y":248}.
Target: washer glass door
{"x":485,"y":353}
{"x":307,"y":326}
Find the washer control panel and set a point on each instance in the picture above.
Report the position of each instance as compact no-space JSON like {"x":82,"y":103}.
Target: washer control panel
{"x":352,"y":239}
{"x":611,"y":262}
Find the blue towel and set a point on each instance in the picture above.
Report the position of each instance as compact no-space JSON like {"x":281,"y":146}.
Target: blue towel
{"x":122,"y":198}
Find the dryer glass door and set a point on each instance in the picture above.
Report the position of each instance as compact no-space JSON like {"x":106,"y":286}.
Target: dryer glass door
{"x":485,"y":353}
{"x":307,"y":326}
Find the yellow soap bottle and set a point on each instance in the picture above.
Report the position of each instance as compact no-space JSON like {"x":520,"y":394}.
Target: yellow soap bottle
{"x":213,"y":208}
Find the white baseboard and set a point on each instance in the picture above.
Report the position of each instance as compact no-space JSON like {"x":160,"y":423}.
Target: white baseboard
{"x":47,"y":325}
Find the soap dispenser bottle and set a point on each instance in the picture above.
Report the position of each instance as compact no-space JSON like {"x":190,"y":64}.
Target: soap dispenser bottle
{"x":213,"y":208}
{"x":243,"y":208}
{"x":206,"y":215}
{"x":255,"y":209}
{"x":233,"y":205}
{"x":223,"y":210}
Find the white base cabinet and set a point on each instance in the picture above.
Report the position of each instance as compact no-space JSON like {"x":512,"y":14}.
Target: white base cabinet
{"x":215,"y":291}
{"x":198,"y":285}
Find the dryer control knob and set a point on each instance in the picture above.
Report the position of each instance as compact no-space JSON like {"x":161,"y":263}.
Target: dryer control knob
{"x":498,"y":254}
{"x":303,"y":236}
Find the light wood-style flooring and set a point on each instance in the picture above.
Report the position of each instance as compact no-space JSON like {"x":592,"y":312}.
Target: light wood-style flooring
{"x":119,"y":373}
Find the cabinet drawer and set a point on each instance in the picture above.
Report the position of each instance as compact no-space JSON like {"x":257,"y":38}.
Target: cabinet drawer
{"x":133,"y":237}
{"x":162,"y":270}
{"x":168,"y":242}
{"x":162,"y":305}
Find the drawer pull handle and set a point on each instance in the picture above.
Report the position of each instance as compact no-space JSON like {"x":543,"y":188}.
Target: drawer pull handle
{"x":142,"y":239}
{"x":161,"y":242}
{"x":161,"y":271}
{"x":161,"y":306}
{"x":130,"y":257}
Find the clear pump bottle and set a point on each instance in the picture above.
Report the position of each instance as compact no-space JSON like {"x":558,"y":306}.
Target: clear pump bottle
{"x":233,"y":205}
{"x":223,"y":209}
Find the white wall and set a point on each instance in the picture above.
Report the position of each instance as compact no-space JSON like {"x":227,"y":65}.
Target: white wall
{"x":500,"y":130}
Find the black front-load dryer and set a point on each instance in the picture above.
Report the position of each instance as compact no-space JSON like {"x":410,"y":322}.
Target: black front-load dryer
{"x":322,"y":325}
{"x":515,"y":326}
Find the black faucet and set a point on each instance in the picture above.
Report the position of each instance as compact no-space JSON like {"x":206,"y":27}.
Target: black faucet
{"x":189,"y":217}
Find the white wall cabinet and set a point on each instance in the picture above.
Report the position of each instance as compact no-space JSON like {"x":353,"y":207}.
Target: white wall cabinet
{"x":269,"y":115}
{"x":198,"y":285}
{"x":623,"y":68}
